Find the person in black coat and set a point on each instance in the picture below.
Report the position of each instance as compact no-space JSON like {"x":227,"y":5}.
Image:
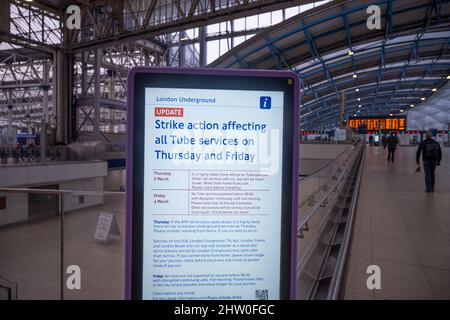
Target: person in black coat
{"x":431,"y":157}
{"x":391,"y":143}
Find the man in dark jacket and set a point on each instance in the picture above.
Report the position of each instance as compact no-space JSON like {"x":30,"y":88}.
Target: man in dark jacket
{"x":391,"y":142}
{"x":431,"y":156}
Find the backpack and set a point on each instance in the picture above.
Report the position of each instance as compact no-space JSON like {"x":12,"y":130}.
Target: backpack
{"x":431,"y":150}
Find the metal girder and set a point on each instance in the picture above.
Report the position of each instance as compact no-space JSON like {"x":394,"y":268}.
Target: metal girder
{"x":375,"y":77}
{"x":372,"y":75}
{"x":32,"y":26}
{"x":407,"y":35}
{"x":144,"y":21}
{"x":349,"y":39}
{"x":381,"y":97}
{"x":21,"y":85}
{"x":316,"y":55}
{"x":26,"y":43}
{"x":389,"y":17}
{"x":277,"y":55}
{"x":99,"y":107}
{"x":351,"y":9}
{"x":409,"y":82}
{"x":104,"y":103}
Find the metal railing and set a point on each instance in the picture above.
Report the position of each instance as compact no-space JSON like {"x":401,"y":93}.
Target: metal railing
{"x":8,"y":289}
{"x":33,"y":154}
{"x":341,"y":260}
{"x":324,"y":142}
{"x":313,"y":187}
{"x":315,"y":229}
{"x":29,"y":154}
{"x":76,"y":205}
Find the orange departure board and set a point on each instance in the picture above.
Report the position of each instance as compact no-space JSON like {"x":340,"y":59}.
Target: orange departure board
{"x":378,"y":123}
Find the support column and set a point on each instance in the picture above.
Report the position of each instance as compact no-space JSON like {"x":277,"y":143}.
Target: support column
{"x":157,"y":61}
{"x":5,"y":17}
{"x":111,"y":94}
{"x":181,"y":49}
{"x":97,"y":61}
{"x":84,"y":81}
{"x":45,"y":87}
{"x":9,"y":134}
{"x":61,"y":88}
{"x":341,"y":109}
{"x":202,"y":42}
{"x":232,"y":32}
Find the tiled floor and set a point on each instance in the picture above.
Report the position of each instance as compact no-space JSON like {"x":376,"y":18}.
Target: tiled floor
{"x":402,"y":229}
{"x":30,"y":255}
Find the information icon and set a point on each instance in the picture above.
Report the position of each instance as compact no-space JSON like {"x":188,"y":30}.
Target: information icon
{"x":265,"y":102}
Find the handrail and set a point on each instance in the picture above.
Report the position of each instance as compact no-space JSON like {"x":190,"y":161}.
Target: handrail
{"x":327,"y":165}
{"x":324,"y":142}
{"x":8,"y":291}
{"x":53,"y":191}
{"x":9,"y":286}
{"x":336,"y":281}
{"x":333,"y":162}
{"x":302,"y":222}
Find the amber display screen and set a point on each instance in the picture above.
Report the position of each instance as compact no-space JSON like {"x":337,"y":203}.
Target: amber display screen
{"x":378,"y":123}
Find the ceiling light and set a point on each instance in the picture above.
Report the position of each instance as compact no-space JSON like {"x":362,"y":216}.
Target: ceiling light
{"x":423,"y":98}
{"x":359,"y":106}
{"x":359,"y":99}
{"x":434,"y":89}
{"x":448,"y":77}
{"x":355,"y":76}
{"x":354,"y":115}
{"x":350,"y":53}
{"x":357,"y":90}
{"x":401,"y":110}
{"x":412,"y":106}
{"x":390,"y":114}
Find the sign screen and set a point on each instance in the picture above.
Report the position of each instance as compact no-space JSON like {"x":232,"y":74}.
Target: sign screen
{"x":213,"y":222}
{"x":379,"y":123}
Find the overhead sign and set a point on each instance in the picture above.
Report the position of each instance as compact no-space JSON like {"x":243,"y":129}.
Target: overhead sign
{"x":379,"y":123}
{"x":211,"y":184}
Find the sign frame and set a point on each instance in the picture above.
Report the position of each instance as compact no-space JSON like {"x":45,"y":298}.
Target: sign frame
{"x":133,"y":223}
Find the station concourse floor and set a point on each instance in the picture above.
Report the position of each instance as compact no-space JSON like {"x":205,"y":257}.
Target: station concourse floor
{"x":397,"y":226}
{"x":400,"y":228}
{"x":30,"y":255}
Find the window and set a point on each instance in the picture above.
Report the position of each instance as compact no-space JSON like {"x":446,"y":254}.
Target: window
{"x":277,"y":17}
{"x":264,"y":20}
{"x":213,"y":50}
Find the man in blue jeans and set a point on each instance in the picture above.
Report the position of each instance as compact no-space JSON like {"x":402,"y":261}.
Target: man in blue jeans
{"x":431,"y":156}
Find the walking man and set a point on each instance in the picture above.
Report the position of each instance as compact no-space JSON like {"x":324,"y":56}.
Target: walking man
{"x":383,"y":141}
{"x":391,"y":142}
{"x":431,"y":156}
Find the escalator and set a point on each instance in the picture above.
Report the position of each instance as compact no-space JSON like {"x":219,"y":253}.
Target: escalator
{"x":320,"y":272}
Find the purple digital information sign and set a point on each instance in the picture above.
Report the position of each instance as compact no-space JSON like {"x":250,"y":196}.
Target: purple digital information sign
{"x":212,"y":184}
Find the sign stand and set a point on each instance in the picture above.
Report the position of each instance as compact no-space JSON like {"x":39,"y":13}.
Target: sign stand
{"x":106,"y":226}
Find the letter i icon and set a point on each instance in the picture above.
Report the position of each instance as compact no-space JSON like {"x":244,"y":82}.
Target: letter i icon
{"x":265,"y":102}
